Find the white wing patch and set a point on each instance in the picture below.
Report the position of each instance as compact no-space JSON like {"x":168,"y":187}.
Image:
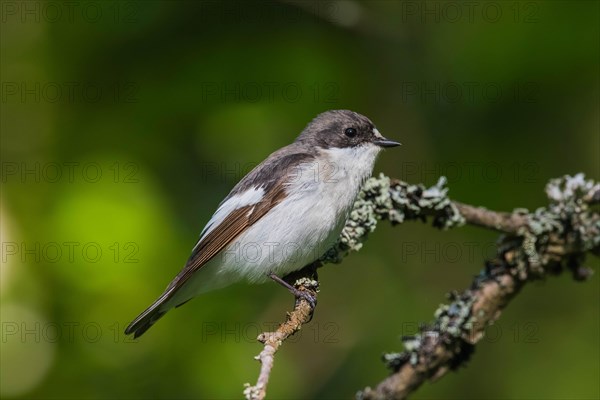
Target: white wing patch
{"x":249,"y":197}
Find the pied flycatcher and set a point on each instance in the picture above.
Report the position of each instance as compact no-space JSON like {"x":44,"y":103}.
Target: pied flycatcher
{"x":285,"y":214}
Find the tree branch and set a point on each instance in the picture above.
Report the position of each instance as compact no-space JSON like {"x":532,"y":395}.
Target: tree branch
{"x":499,"y":221}
{"x":547,"y":240}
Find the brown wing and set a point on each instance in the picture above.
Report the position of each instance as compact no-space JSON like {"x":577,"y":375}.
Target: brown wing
{"x":233,"y":225}
{"x":271,"y":174}
{"x":223,"y":234}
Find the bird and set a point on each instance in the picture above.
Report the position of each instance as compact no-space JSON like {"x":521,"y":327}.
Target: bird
{"x":282,"y":216}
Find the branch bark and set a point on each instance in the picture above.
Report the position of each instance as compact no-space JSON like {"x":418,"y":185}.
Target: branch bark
{"x":499,"y":221}
{"x":533,"y":244}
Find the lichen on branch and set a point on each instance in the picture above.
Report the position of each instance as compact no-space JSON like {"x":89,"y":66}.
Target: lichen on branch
{"x":382,"y":198}
{"x":548,"y":241}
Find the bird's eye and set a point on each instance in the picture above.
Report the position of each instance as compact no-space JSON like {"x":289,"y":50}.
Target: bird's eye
{"x":350,"y":132}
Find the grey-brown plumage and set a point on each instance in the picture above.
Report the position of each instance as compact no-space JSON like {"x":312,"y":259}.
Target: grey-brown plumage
{"x":260,"y":192}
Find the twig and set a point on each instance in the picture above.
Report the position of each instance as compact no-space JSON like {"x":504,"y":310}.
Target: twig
{"x":302,"y":314}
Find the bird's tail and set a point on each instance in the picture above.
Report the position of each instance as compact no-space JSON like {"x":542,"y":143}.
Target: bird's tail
{"x":146,"y":319}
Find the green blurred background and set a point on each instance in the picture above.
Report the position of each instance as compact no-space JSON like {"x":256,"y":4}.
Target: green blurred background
{"x":125,"y":123}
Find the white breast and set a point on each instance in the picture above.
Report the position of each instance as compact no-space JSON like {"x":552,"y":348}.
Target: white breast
{"x":308,"y":221}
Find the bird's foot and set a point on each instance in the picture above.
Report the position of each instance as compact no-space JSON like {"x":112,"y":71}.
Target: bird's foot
{"x":298,"y":294}
{"x":309,"y":297}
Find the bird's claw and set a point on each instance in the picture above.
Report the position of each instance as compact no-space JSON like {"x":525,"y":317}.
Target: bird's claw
{"x":304,"y":295}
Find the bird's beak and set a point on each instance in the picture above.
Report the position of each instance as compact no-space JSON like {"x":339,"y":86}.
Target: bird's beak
{"x":383,"y":142}
{"x":386,"y":143}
